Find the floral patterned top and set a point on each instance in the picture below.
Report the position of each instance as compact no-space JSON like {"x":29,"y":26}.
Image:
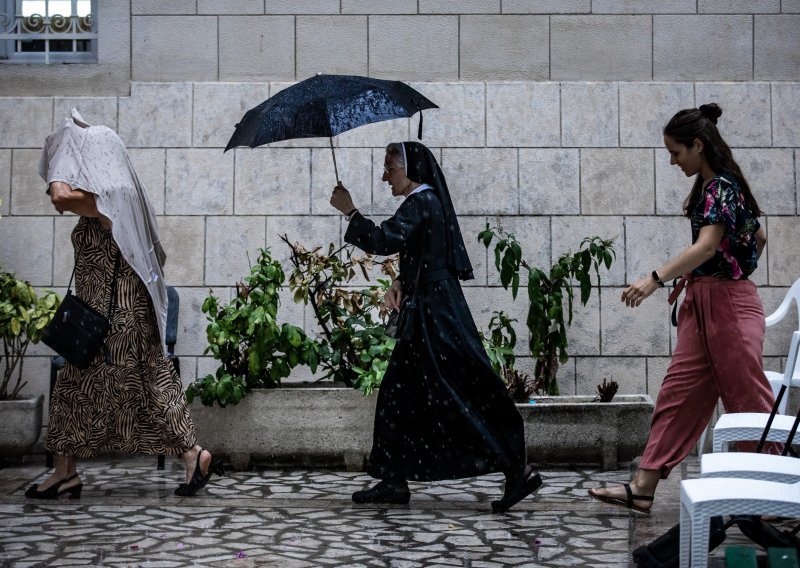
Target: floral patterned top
{"x":723,"y":202}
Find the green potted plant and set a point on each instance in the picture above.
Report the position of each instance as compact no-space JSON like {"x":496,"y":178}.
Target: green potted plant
{"x":23,"y":317}
{"x":254,"y":350}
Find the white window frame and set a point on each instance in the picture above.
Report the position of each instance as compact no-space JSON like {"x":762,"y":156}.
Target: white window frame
{"x":13,"y":29}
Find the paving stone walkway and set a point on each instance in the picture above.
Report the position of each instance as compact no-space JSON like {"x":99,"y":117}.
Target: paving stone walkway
{"x":127,"y":516}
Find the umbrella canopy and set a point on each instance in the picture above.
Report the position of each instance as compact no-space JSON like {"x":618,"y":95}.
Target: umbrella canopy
{"x":326,"y":105}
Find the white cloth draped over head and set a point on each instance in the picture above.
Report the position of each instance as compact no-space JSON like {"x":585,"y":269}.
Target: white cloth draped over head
{"x":94,"y":159}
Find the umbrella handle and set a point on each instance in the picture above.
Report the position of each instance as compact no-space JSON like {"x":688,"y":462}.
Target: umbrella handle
{"x":335,"y":169}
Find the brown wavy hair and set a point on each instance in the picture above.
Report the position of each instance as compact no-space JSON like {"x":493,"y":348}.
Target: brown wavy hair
{"x":701,"y":123}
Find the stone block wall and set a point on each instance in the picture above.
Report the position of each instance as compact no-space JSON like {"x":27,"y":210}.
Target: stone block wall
{"x":550,"y":125}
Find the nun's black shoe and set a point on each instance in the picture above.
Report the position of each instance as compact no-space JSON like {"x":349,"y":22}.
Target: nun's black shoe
{"x":384,"y":492}
{"x":517,"y":488}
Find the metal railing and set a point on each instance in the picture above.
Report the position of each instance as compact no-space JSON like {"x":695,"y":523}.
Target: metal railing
{"x":47,"y":29}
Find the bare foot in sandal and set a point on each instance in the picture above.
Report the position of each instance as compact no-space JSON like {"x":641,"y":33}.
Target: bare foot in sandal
{"x":625,"y":495}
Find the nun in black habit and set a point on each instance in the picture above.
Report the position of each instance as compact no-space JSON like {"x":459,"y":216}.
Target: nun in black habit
{"x":442,"y":412}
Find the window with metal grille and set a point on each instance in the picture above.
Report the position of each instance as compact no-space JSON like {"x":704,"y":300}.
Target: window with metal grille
{"x":48,"y":31}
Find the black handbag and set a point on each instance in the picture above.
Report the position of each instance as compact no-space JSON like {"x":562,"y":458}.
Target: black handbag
{"x":400,"y":325}
{"x":77,"y":331}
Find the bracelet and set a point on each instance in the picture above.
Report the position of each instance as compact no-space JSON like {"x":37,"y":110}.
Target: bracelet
{"x":657,"y":278}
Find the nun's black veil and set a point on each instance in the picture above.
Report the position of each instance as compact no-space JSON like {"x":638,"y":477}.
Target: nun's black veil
{"x":422,"y":167}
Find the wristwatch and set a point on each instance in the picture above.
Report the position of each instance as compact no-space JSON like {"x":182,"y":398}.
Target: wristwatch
{"x":657,"y":278}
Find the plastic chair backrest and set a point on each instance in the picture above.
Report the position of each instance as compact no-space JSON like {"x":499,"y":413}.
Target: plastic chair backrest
{"x":173,"y":307}
{"x":783,"y":309}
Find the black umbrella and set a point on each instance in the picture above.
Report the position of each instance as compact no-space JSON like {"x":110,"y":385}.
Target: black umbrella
{"x":326,"y":105}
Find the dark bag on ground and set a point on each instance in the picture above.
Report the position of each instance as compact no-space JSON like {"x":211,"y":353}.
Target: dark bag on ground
{"x":77,"y":331}
{"x":664,"y":552}
{"x":400,"y":325}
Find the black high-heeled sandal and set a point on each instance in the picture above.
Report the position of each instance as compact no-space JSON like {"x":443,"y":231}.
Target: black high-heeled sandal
{"x":198,"y":480}
{"x":517,"y":488}
{"x":55,"y":491}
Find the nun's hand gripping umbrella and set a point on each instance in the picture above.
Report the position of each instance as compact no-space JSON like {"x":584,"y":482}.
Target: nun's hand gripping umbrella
{"x":327,"y":105}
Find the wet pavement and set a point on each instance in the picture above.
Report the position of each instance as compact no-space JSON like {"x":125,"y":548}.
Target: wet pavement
{"x":128,"y":516}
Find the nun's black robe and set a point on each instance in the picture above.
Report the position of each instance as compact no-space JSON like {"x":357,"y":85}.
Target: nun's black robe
{"x":442,"y":412}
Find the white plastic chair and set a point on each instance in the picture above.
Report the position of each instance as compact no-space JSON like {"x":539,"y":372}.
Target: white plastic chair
{"x":704,"y":498}
{"x":772,"y":427}
{"x":775,"y":378}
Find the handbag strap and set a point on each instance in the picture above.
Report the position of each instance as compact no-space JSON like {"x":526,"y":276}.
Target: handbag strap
{"x":112,"y":300}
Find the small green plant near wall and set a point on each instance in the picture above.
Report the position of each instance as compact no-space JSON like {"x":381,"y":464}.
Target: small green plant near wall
{"x":253,"y":348}
{"x":23,"y":317}
{"x":547,"y":293}
{"x":353,"y":346}
{"x":499,"y":345}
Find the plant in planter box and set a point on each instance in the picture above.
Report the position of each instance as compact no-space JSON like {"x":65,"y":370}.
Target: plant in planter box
{"x":547,"y":292}
{"x":23,"y":317}
{"x":253,"y":348}
{"x":499,"y":347}
{"x":354,"y":348}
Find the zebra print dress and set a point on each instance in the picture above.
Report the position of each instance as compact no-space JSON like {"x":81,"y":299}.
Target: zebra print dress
{"x":136,"y":404}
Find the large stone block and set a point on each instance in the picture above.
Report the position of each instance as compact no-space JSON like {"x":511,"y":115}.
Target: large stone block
{"x":745,"y":119}
{"x":601,"y":48}
{"x":199,"y":182}
{"x":617,"y":181}
{"x":523,"y":114}
{"x":680,"y":48}
{"x":644,"y":109}
{"x":94,"y":110}
{"x":459,"y":7}
{"x":650,"y":242}
{"x":482,"y":181}
{"x":547,"y":6}
{"x":301,"y":7}
{"x":484,"y":302}
{"x":229,"y":241}
{"x":183,"y":238}
{"x":316,"y":38}
{"x":28,"y":195}
{"x":5,"y":182}
{"x":471,"y":226}
{"x":589,"y":114}
{"x":656,"y":371}
{"x":640,"y":331}
{"x":770,"y":174}
{"x":27,"y":248}
{"x":644,"y":6}
{"x":429,"y":47}
{"x":777,"y":45}
{"x":630,"y":373}
{"x":504,"y":47}
{"x":738,"y":6}
{"x":356,"y":172}
{"x":150,"y":164}
{"x":192,"y":339}
{"x":174,"y":48}
{"x":215,"y":7}
{"x":161,"y":7}
{"x":156,"y":115}
{"x":785,"y":110}
{"x":63,"y":251}
{"x":672,"y":185}
{"x":583,"y":334}
{"x":460,"y":119}
{"x":268,"y":41}
{"x":569,"y":231}
{"x":549,"y":181}
{"x":218,"y":107}
{"x":273,"y":181}
{"x":25,"y":121}
{"x":534,"y":236}
{"x":379,"y":7}
{"x":790,"y":6}
{"x":784,"y":262}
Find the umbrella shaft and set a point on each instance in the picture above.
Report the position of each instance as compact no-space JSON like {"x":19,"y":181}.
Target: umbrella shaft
{"x":335,"y":169}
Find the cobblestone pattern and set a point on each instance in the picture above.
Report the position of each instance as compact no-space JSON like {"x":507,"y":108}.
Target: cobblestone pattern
{"x":127,"y":516}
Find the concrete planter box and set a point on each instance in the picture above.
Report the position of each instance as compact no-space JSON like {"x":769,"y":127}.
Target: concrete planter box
{"x":332,"y":427}
{"x":20,"y":425}
{"x":579,"y":429}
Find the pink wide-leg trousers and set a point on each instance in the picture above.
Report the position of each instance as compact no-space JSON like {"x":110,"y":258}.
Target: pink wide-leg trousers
{"x":718,"y":355}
